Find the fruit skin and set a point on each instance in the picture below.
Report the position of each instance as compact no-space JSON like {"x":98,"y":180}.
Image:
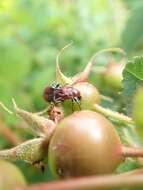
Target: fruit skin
{"x":84,"y":143}
{"x":10,"y":176}
{"x":113,"y":76}
{"x":89,"y":94}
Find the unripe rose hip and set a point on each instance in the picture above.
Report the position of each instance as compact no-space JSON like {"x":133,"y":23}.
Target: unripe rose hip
{"x":84,"y":143}
{"x":89,"y":94}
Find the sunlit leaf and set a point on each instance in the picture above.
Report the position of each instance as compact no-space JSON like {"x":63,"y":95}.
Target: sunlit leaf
{"x":132,"y":79}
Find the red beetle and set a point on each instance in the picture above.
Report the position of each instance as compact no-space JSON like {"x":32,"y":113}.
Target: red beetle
{"x":57,"y":94}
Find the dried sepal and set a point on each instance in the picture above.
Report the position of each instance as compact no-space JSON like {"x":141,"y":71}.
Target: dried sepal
{"x":60,"y":77}
{"x":115,"y":49}
{"x":42,"y":126}
{"x":31,"y":151}
{"x":5,"y":108}
{"x":83,"y":76}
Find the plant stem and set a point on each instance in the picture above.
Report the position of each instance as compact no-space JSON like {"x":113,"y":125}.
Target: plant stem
{"x":106,"y":98}
{"x":91,"y":183}
{"x":113,"y":114}
{"x":132,"y":151}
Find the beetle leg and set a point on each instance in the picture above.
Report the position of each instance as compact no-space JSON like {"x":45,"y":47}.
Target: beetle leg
{"x":54,"y":96}
{"x":58,"y":100}
{"x":55,"y":85}
{"x":72,"y":105}
{"x":76,"y":99}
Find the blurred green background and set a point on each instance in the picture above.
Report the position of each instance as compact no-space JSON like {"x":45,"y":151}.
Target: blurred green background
{"x":31,"y":34}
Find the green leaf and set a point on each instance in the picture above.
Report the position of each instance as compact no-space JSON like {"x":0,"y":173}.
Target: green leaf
{"x":138,"y":112}
{"x":132,"y":80}
{"x":135,"y":67}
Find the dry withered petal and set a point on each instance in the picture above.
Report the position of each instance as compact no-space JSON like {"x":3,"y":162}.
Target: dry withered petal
{"x":30,"y":151}
{"x":42,"y":126}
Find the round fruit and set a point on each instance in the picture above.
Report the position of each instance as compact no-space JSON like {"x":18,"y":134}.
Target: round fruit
{"x":10,"y":176}
{"x":84,"y":143}
{"x":113,"y":76}
{"x":89,"y":94}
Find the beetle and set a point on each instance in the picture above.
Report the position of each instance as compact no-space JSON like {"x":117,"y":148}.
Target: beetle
{"x":56,"y":93}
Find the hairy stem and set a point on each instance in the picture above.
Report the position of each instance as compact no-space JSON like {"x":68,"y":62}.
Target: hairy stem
{"x":92,"y":183}
{"x":30,"y":151}
{"x":132,"y":151}
{"x":113,"y":114}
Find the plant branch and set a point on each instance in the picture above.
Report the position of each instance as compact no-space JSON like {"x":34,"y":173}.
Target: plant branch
{"x":106,"y":98}
{"x":132,"y":151}
{"x":91,"y":183}
{"x":113,"y":115}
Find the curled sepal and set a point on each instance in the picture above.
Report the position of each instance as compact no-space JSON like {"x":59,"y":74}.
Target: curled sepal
{"x":42,"y":126}
{"x":60,"y":77}
{"x":31,"y":151}
{"x":83,"y":76}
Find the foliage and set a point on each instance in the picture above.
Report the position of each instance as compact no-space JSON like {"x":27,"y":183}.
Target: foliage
{"x":132,"y":80}
{"x":32,"y":33}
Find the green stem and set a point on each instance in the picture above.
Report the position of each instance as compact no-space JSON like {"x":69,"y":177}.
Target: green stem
{"x":113,"y":115}
{"x":92,"y":183}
